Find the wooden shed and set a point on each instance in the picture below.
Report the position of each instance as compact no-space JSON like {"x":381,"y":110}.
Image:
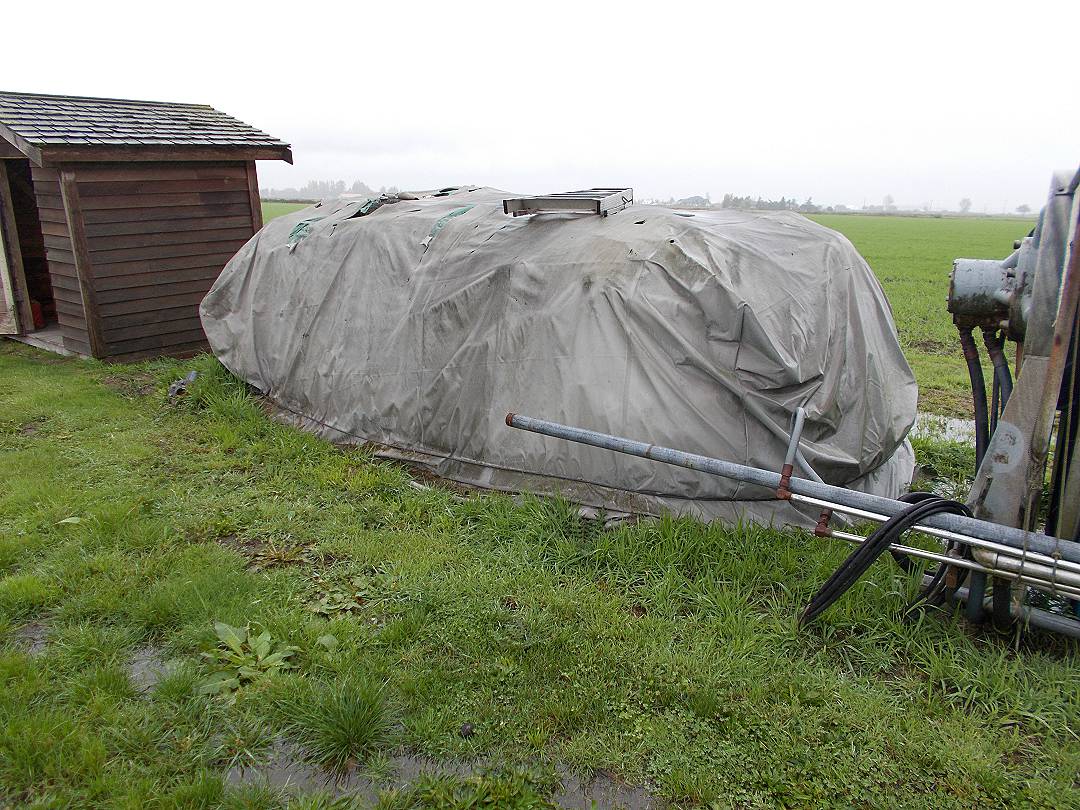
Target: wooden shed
{"x":116,"y":217}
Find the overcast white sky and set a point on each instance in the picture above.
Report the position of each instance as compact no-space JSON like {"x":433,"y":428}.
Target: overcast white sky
{"x":845,"y":102}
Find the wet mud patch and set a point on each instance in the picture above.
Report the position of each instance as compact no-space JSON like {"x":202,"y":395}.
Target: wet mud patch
{"x":32,"y":638}
{"x":147,"y":667}
{"x":131,"y":386}
{"x":261,"y":553}
{"x":601,"y":790}
{"x":31,"y":428}
{"x":947,"y":428}
{"x":284,"y":767}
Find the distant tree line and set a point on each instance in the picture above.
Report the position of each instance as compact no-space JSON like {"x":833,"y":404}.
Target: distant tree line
{"x":808,"y":206}
{"x":759,"y":204}
{"x":323,"y":189}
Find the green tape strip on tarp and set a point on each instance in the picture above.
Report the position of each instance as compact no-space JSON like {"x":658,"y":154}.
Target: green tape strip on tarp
{"x":440,"y":223}
{"x":300,"y":230}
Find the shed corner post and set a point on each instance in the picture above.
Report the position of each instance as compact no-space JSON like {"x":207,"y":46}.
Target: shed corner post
{"x":11,"y":264}
{"x":69,"y":192}
{"x":253,"y":196}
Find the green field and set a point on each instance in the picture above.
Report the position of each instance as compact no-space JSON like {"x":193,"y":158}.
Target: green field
{"x":273,"y":210}
{"x":503,"y":644}
{"x":912,"y":256}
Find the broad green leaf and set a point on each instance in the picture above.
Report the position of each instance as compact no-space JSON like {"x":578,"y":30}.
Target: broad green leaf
{"x":329,"y":641}
{"x":231,"y":636}
{"x":277,"y":659}
{"x":261,"y":645}
{"x":217,"y":683}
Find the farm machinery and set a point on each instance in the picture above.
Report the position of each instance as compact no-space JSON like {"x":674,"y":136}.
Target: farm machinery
{"x":1010,"y":554}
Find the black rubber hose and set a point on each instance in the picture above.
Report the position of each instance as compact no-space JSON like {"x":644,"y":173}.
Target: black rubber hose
{"x":873,"y":547}
{"x":1000,"y":599}
{"x":934,"y":593}
{"x":940,"y":590}
{"x":995,"y":347}
{"x":995,"y":403}
{"x":908,"y":565}
{"x":974,"y":609}
{"x":978,"y":393}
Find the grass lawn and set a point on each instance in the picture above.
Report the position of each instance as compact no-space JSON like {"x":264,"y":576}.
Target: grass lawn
{"x":389,"y":620}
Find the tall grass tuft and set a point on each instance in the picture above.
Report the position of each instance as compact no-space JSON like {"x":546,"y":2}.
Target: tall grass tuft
{"x":341,"y":723}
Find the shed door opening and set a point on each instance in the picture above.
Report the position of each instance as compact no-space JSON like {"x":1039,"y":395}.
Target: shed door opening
{"x":30,"y":244}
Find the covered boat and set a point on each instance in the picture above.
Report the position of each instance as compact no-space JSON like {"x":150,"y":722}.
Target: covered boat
{"x":416,"y":322}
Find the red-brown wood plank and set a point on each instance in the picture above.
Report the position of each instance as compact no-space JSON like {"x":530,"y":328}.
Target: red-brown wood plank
{"x":156,"y":341}
{"x":73,"y":310}
{"x":54,"y":229}
{"x":166,"y":212}
{"x":75,"y":345}
{"x":111,"y":172}
{"x":50,"y":215}
{"x":117,"y":334}
{"x":139,"y":240}
{"x":166,"y":226}
{"x":58,"y":254}
{"x":101,"y":257}
{"x":161,"y":186}
{"x":72,"y":297}
{"x":72,"y":327}
{"x":208,"y":274}
{"x":165,"y":200}
{"x":153,"y":316}
{"x":68,"y":319}
{"x":253,"y":197}
{"x":218,"y":260}
{"x":147,"y":304}
{"x":199,"y":286}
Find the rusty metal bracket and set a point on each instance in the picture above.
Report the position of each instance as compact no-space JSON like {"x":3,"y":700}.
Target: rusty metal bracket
{"x":822,"y":529}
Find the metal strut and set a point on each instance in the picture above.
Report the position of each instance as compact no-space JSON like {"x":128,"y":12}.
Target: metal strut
{"x":1013,"y":539}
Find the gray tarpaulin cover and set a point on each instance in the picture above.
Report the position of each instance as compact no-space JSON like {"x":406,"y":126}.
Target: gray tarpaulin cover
{"x":417,"y":324}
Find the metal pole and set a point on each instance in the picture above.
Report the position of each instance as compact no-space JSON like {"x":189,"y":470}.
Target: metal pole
{"x":796,"y":435}
{"x":961,"y":524}
{"x":1035,"y":617}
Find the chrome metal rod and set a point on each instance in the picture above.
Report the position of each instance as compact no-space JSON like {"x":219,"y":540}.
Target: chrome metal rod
{"x":975,"y":542}
{"x":911,"y":551}
{"x":1035,"y":581}
{"x":961,"y":524}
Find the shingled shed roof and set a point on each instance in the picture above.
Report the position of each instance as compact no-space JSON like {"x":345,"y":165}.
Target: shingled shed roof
{"x":54,"y":129}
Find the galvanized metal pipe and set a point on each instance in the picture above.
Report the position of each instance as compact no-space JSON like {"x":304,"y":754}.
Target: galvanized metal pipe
{"x":1036,"y":617}
{"x":796,"y":436}
{"x":961,"y":524}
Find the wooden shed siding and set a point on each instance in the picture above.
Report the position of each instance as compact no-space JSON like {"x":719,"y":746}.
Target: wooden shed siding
{"x":157,"y":237}
{"x":58,"y":252}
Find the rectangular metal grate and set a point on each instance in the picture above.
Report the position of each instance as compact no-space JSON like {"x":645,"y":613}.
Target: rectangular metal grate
{"x":602,"y":201}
